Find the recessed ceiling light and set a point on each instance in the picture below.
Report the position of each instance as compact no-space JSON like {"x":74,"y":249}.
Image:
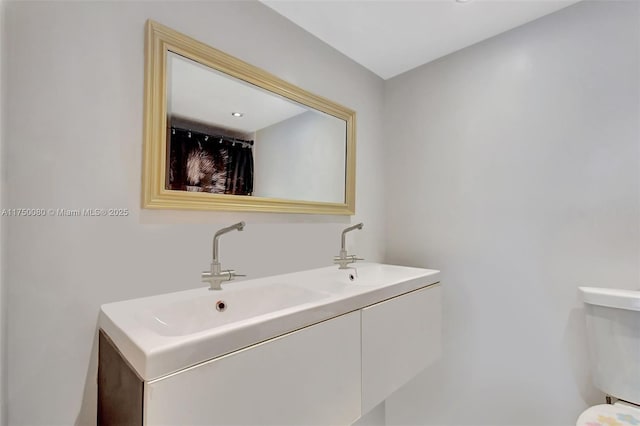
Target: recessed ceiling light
{"x":463,"y":1}
{"x":237,"y":114}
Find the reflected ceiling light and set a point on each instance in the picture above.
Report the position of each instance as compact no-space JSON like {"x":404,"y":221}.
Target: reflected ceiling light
{"x":237,"y":114}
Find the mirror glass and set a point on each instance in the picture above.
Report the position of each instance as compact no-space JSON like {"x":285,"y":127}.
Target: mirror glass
{"x":222,"y":134}
{"x":231,"y":137}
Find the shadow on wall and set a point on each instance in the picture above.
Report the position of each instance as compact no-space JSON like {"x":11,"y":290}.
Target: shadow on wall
{"x":575,"y":342}
{"x":88,"y":409}
{"x":419,"y":398}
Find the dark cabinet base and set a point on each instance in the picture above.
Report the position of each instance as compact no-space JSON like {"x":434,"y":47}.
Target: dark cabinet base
{"x":120,"y":390}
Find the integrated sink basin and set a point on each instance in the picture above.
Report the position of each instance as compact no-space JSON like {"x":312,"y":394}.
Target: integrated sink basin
{"x":160,"y":335}
{"x":215,"y":309}
{"x":373,"y":274}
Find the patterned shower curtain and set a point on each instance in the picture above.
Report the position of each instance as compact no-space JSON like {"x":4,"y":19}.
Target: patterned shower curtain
{"x":209,"y":163}
{"x":239,"y":179}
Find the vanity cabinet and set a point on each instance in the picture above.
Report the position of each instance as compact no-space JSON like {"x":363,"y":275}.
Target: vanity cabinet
{"x":400,"y":337}
{"x":328,"y":373}
{"x":310,"y":376}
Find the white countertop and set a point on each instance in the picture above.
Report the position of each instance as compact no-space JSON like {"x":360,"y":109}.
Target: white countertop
{"x":162,"y":334}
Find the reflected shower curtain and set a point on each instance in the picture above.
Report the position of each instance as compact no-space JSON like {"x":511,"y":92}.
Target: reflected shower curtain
{"x":206,"y":163}
{"x":239,"y":170}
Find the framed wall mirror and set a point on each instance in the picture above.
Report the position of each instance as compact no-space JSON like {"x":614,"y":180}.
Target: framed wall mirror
{"x":221,"y":134}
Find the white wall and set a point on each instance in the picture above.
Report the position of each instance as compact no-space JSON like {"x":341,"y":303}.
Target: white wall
{"x":74,"y":139}
{"x":514,"y":167}
{"x":301,"y":158}
{"x":3,"y":320}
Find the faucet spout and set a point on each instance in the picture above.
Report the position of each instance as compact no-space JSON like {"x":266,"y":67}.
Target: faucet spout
{"x":344,"y":259}
{"x":239,"y":226}
{"x":349,"y":229}
{"x":216,"y":275}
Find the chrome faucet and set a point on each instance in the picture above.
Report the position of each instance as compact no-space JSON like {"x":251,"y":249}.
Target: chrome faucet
{"x":345,"y":259}
{"x":216,"y":275}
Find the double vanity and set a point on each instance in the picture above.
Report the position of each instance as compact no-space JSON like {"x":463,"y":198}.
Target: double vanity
{"x":321,"y":346}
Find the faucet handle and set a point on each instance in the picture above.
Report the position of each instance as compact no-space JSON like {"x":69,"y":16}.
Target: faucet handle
{"x":345,"y":260}
{"x":350,"y":257}
{"x":230,"y":274}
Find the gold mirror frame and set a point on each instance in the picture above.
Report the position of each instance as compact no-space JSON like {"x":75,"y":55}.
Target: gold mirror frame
{"x":161,"y":39}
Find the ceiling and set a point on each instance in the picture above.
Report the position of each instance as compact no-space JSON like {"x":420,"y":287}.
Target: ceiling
{"x":390,"y":37}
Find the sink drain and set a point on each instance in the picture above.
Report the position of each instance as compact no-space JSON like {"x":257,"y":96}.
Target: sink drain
{"x":221,"y":306}
{"x":352,"y":277}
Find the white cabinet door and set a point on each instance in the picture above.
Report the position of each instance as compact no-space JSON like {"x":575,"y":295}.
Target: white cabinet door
{"x":400,"y":337}
{"x":311,"y":376}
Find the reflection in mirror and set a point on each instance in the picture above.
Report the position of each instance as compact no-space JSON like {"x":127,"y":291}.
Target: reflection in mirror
{"x":222,"y":134}
{"x":226,"y":136}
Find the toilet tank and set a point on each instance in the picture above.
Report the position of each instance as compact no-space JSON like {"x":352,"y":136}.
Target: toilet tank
{"x":613,"y":332}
